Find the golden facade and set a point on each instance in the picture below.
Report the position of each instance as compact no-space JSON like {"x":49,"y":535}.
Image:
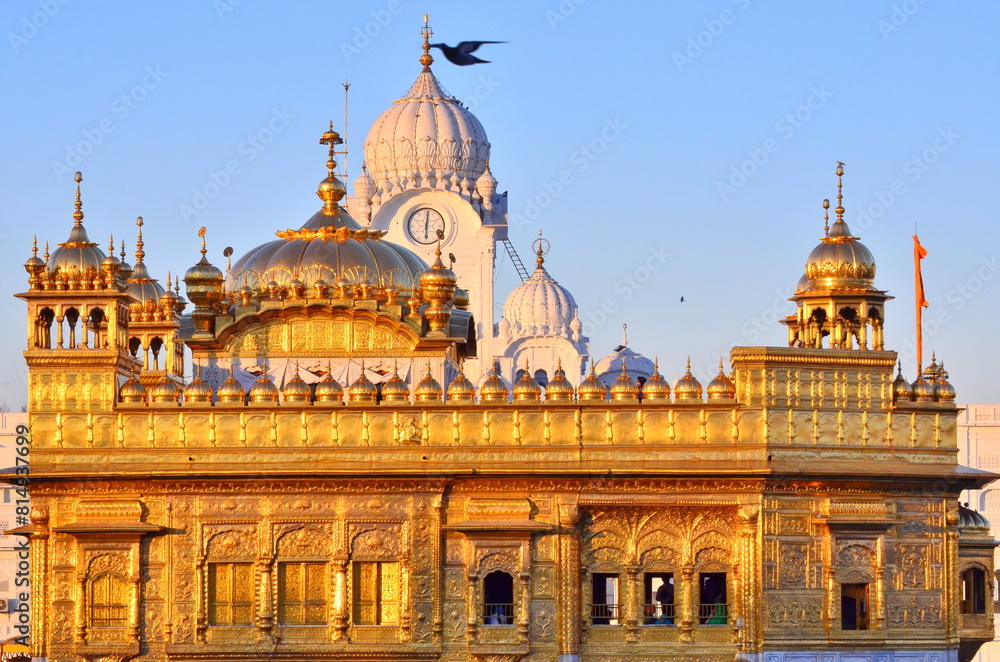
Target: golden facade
{"x":805,"y":510}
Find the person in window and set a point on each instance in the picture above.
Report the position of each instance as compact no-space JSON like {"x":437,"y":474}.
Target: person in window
{"x":717,"y":615}
{"x":664,"y":604}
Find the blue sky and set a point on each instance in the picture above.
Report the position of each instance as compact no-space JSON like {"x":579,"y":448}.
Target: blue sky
{"x":618,"y":130}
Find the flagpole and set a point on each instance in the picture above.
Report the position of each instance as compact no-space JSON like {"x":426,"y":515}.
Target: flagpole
{"x":920,"y":301}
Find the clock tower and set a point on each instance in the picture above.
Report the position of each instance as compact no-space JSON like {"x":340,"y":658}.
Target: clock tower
{"x":426,"y":179}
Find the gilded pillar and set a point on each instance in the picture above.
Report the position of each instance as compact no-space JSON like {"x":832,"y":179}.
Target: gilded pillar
{"x":471,"y":608}
{"x":688,"y":608}
{"x":134,"y":609}
{"x":438,"y":569}
{"x":81,"y":609}
{"x":631,"y":603}
{"x":265,"y":600}
{"x":405,"y":627}
{"x":524,"y":607}
{"x":339,"y":599}
{"x":569,"y":589}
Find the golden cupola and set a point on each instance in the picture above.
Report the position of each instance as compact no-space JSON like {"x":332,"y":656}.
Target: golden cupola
{"x":395,"y":388}
{"x":231,"y":390}
{"x":722,"y":387}
{"x":839,"y":306}
{"x":198,"y":390}
{"x":493,"y":389}
{"x":296,"y":389}
{"x":428,"y":389}
{"x":362,"y":391}
{"x":78,"y":256}
{"x":624,"y":389}
{"x":656,"y":388}
{"x":263,"y":391}
{"x":687,"y":388}
{"x":526,"y":389}
{"x":592,"y":389}
{"x":559,"y":389}
{"x":329,"y":389}
{"x":461,"y":389}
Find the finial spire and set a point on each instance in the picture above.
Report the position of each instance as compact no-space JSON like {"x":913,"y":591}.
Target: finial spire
{"x":111,"y":245}
{"x":139,"y":253}
{"x":541,"y":247}
{"x":625,"y":334}
{"x":78,"y":204}
{"x":331,"y":190}
{"x":426,"y":33}
{"x":46,"y":253}
{"x":826,"y":217}
{"x":840,"y":192}
{"x":34,"y":246}
{"x":204,"y":248}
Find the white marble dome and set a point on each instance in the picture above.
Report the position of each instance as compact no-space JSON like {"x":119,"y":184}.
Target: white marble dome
{"x":539,"y":307}
{"x":426,"y":139}
{"x":609,"y":368}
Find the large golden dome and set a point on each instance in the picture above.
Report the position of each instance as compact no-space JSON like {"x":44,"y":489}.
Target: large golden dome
{"x":330,"y":246}
{"x":840,"y":261}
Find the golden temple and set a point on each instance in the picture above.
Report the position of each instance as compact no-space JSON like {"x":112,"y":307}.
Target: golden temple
{"x":806,"y":510}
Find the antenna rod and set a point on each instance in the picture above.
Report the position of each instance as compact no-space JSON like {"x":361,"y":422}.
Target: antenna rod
{"x":347,"y":85}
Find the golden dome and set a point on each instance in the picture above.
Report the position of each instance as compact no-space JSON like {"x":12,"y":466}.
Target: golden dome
{"x":78,"y":252}
{"x":296,"y":390}
{"x":263,"y":390}
{"x":230,"y":390}
{"x":331,"y":247}
{"x":462,"y":300}
{"x":132,"y":391}
{"x":559,"y":389}
{"x":901,"y":389}
{"x":395,"y":389}
{"x":923,"y":390}
{"x":362,"y":390}
{"x":329,"y":389}
{"x":526,"y":389}
{"x":592,"y":389}
{"x":840,"y":261}
{"x":943,"y":390}
{"x":493,"y":389}
{"x":687,"y":387}
{"x":198,"y":390}
{"x":164,"y":391}
{"x":656,"y":388}
{"x":461,"y":390}
{"x":722,"y":387}
{"x":624,"y":389}
{"x":429,"y":389}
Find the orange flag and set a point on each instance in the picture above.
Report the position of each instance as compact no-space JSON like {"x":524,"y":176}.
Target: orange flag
{"x":919,"y":253}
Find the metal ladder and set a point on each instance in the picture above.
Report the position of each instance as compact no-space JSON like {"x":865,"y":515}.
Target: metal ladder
{"x":516,"y":259}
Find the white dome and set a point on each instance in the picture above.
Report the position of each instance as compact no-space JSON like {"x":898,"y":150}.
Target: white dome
{"x":540,"y":307}
{"x":426,"y":139}
{"x":636,"y":365}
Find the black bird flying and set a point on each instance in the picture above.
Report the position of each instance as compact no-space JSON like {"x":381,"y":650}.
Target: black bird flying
{"x":462,"y":54}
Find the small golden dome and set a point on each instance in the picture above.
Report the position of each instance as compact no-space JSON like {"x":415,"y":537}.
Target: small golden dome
{"x":592,"y":389}
{"x":362,"y":390}
{"x":923,"y":390}
{"x":943,"y":390}
{"x":687,"y":387}
{"x":429,"y":389}
{"x":493,"y":389}
{"x":526,"y":389}
{"x":165,"y":391}
{"x":656,"y":388}
{"x":461,"y":390}
{"x":231,"y":390}
{"x":329,"y":389}
{"x":462,"y":300}
{"x":296,"y":390}
{"x":263,"y":390}
{"x":721,"y":388}
{"x":198,"y":390}
{"x":624,"y":389}
{"x":132,"y":391}
{"x":901,"y":389}
{"x":395,"y":389}
{"x":559,"y":389}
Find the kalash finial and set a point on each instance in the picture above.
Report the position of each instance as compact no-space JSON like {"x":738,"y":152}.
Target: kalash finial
{"x":331,"y":190}
{"x":204,"y":249}
{"x":139,"y":253}
{"x":840,"y":192}
{"x":426,"y":33}
{"x":826,"y":217}
{"x":78,"y":212}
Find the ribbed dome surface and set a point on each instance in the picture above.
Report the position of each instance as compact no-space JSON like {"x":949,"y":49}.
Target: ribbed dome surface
{"x":427,"y":138}
{"x":840,"y":261}
{"x":78,"y":251}
{"x":971,"y":519}
{"x":142,"y":286}
{"x":636,"y":364}
{"x":327,"y":248}
{"x":540,"y":306}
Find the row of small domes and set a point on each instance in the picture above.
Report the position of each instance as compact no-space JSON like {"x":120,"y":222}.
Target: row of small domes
{"x":931,"y":385}
{"x":429,"y":390}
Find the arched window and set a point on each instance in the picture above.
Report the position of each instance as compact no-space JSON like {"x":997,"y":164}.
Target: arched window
{"x":542,"y":377}
{"x":44,"y":338}
{"x":230,"y":593}
{"x":974,"y":591}
{"x":376,"y":592}
{"x":301,"y":593}
{"x":498,"y":598}
{"x":108,"y":601}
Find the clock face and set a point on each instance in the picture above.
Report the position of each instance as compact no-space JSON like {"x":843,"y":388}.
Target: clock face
{"x":424,"y":225}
